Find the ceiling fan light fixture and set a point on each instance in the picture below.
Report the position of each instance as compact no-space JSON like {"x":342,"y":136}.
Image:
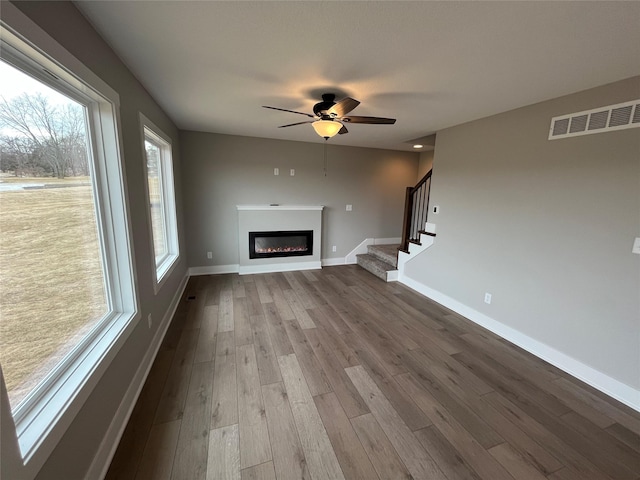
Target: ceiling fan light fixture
{"x":326,"y":128}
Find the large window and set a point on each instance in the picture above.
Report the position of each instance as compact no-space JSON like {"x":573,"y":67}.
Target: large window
{"x":52,"y":280}
{"x":67,"y":295}
{"x":161,"y":198}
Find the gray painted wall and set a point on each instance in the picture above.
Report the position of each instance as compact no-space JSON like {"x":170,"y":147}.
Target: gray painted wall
{"x":73,"y":455}
{"x":222,"y":171}
{"x":426,"y":163}
{"x":546,"y":227}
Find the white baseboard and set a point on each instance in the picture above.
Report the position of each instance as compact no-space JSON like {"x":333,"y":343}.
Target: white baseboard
{"x":213,"y":270}
{"x":610,"y":386}
{"x":330,"y":262}
{"x":350,"y":259}
{"x":111,"y":440}
{"x":279,"y":267}
{"x":219,"y":269}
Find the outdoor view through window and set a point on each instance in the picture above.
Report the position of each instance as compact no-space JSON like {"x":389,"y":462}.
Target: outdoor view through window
{"x":52,"y":288}
{"x":154,"y":175}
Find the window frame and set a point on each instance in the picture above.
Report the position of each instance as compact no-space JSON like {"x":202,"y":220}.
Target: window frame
{"x":42,"y":418}
{"x":162,"y":268}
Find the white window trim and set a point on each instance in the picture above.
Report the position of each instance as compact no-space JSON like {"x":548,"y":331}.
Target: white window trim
{"x":162,"y":270}
{"x":42,"y":419}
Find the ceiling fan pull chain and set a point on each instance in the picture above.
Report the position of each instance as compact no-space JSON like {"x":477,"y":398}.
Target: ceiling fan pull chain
{"x":325,"y":156}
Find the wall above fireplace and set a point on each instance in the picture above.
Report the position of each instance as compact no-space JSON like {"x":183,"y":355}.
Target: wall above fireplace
{"x":280,"y":219}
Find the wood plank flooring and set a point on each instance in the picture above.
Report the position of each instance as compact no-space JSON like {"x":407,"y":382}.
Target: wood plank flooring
{"x":334,"y":374}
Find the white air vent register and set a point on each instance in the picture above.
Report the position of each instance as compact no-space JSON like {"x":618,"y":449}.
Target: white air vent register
{"x":598,"y":120}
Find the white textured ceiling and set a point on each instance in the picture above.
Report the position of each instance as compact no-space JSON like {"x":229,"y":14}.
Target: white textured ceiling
{"x":212,"y":64}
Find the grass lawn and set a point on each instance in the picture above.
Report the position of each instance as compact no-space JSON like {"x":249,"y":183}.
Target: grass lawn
{"x":51,"y":281}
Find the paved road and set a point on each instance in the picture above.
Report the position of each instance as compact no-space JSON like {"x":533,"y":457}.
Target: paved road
{"x":12,"y":187}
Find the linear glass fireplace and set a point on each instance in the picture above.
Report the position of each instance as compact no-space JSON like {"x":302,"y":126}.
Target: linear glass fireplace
{"x":280,"y":244}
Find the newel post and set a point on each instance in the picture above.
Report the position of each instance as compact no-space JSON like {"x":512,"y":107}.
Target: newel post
{"x":406,"y":224}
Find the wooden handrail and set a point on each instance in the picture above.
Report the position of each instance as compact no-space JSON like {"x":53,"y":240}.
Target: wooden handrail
{"x":406,"y":224}
{"x":423,"y":180}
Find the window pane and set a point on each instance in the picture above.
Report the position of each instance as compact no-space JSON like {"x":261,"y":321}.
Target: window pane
{"x":154,"y":179}
{"x":52,"y":288}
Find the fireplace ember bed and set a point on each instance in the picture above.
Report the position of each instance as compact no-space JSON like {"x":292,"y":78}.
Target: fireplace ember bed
{"x":280,"y":244}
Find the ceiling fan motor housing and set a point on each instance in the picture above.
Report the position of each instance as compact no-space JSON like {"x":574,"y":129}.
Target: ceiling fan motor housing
{"x":320,"y":109}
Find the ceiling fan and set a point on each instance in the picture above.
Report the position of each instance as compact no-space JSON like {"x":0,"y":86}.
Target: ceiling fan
{"x":330,"y":116}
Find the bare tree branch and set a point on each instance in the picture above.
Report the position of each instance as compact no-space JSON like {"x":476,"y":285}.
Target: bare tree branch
{"x":56,"y":134}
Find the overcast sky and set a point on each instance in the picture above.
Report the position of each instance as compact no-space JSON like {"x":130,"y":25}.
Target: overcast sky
{"x":13,"y":83}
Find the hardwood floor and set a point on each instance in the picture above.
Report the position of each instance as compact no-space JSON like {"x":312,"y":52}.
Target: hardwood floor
{"x":334,"y":374}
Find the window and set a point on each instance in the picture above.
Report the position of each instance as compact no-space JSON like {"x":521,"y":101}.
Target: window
{"x":161,"y":199}
{"x":67,"y":293}
{"x":52,"y":287}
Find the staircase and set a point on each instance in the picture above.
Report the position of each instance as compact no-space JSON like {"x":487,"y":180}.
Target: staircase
{"x":387,"y":261}
{"x":381,"y":261}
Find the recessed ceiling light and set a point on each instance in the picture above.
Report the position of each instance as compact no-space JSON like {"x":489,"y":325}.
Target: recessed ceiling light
{"x":418,"y":146}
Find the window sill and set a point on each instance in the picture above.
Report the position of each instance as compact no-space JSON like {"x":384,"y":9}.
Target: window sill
{"x":164,"y":270}
{"x":41,"y":424}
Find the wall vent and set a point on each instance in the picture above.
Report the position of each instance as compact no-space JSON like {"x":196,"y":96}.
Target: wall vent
{"x":598,"y":120}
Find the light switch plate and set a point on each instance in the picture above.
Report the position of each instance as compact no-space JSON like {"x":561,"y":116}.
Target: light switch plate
{"x":349,"y":208}
{"x":636,"y":246}
{"x":276,"y":171}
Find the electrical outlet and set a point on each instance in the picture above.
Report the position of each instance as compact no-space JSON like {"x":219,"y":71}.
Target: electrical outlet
{"x":334,"y":248}
{"x":276,"y":171}
{"x":149,"y":320}
{"x":487,"y":298}
{"x":209,"y":255}
{"x":349,"y":208}
{"x":436,"y":209}
{"x":292,"y":172}
{"x":636,"y":246}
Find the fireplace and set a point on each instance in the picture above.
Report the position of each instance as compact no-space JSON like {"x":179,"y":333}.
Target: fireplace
{"x":287,"y":237}
{"x":280,"y":244}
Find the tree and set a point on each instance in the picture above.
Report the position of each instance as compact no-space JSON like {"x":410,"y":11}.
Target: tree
{"x":16,"y":155}
{"x":53,"y":137}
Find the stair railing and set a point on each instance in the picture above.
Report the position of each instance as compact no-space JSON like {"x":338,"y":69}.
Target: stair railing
{"x":416,"y":209}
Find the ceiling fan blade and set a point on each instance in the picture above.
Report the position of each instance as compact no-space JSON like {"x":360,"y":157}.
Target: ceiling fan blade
{"x":293,"y":124}
{"x":290,"y":111}
{"x":343,"y":107}
{"x":343,"y":130}
{"x":374,"y":120}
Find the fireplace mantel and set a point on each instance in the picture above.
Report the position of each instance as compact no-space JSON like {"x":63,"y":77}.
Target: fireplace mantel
{"x":280,"y":218}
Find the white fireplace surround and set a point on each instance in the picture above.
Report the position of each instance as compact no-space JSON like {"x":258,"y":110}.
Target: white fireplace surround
{"x":265,"y":218}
